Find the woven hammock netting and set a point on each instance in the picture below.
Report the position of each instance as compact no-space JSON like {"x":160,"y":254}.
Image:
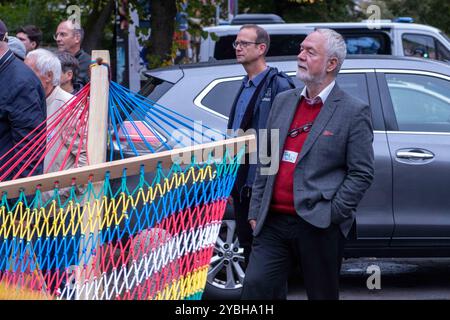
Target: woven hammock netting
{"x":143,"y":236}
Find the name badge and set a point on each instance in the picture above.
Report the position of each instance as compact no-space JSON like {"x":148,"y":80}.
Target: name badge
{"x":290,"y":156}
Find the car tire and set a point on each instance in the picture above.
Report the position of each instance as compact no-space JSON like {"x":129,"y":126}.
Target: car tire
{"x":226,"y":272}
{"x":213,"y":293}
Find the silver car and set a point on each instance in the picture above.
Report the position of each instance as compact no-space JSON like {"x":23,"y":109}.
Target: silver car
{"x":406,"y":211}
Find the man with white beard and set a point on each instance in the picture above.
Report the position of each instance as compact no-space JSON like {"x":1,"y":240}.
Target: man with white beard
{"x":308,"y":207}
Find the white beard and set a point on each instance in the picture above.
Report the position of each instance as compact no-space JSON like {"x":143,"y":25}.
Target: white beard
{"x":309,"y":79}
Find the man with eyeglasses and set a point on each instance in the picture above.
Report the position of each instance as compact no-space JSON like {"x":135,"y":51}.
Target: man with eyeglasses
{"x":307,"y":208}
{"x":249,"y":111}
{"x":69,"y":37}
{"x":22,"y":106}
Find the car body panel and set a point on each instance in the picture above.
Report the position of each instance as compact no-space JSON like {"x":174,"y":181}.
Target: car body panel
{"x":406,"y":210}
{"x":384,"y":217}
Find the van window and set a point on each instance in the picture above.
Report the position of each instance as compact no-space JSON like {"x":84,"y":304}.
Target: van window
{"x":418,"y":45}
{"x":370,"y":43}
{"x":280,"y":45}
{"x":365,"y":41}
{"x":288,"y":44}
{"x":442,"y":52}
{"x":285,"y":45}
{"x":423,"y":46}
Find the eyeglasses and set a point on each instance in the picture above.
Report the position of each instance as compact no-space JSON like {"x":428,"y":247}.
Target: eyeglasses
{"x":62,"y":34}
{"x":295,"y":132}
{"x":243,"y":44}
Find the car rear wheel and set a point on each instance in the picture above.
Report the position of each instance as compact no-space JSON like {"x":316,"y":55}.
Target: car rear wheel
{"x":226,"y":271}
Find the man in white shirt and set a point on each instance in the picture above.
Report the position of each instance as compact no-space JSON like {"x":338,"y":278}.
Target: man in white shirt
{"x":308,"y":207}
{"x":47,"y":67}
{"x":63,"y":140}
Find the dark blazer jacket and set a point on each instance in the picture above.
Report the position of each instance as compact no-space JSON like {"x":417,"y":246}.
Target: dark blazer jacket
{"x":333,"y":170}
{"x":22,"y":109}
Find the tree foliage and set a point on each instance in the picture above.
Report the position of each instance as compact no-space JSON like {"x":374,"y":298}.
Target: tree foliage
{"x":98,"y":17}
{"x":431,"y":12}
{"x":300,"y":11}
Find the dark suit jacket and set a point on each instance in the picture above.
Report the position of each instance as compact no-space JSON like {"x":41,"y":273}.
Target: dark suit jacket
{"x":333,"y":170}
{"x":84,"y":61}
{"x":22,"y":109}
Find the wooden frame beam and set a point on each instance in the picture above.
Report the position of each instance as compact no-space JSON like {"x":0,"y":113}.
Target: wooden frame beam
{"x":96,"y":173}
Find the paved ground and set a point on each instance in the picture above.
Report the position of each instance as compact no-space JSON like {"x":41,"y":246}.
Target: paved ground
{"x":409,"y":279}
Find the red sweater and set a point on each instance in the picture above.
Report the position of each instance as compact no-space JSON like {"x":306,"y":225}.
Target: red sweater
{"x":283,"y":196}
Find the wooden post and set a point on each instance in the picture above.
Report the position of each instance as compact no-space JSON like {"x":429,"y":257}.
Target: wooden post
{"x":98,"y":109}
{"x":96,"y":144}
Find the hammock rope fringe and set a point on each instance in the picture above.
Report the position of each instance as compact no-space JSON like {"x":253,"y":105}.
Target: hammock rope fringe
{"x":144,"y":235}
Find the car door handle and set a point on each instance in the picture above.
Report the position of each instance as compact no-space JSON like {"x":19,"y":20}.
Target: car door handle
{"x":414,"y":154}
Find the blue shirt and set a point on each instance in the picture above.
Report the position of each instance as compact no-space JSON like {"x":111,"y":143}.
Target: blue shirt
{"x":245,"y":97}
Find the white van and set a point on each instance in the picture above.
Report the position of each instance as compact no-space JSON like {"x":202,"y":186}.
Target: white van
{"x":391,"y":38}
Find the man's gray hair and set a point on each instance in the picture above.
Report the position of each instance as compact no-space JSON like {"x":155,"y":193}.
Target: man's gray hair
{"x":335,"y":46}
{"x":45,"y":62}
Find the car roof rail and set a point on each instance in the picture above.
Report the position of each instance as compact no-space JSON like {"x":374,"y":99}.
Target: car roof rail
{"x":256,"y":18}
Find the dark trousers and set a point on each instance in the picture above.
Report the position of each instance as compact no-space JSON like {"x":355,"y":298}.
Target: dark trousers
{"x":244,"y":231}
{"x":320,"y":252}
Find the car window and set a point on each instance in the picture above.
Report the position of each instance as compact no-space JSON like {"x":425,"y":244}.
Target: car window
{"x":220,"y":98}
{"x":154,"y":88}
{"x":418,"y":45}
{"x":355,"y":84}
{"x":421,"y":103}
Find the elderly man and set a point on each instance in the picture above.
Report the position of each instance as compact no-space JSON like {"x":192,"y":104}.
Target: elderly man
{"x":47,"y":67}
{"x":69,"y":37}
{"x":326,"y":166}
{"x":22,"y":105}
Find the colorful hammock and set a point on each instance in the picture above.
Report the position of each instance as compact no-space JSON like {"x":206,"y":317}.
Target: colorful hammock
{"x":138,"y":228}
